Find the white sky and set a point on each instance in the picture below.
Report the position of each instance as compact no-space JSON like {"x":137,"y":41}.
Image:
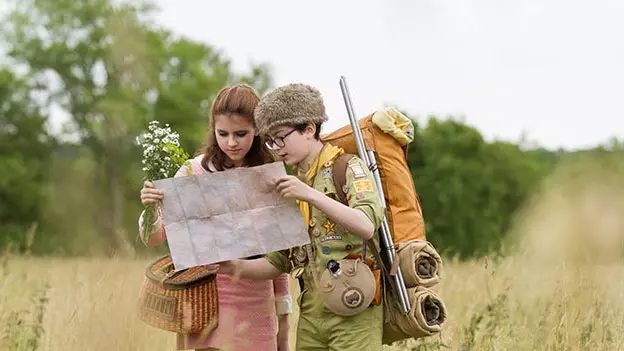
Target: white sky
{"x":552,"y":68}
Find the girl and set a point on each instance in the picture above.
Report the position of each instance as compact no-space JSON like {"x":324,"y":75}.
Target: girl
{"x":246,"y":311}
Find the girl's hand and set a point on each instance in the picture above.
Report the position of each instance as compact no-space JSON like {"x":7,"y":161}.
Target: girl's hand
{"x":149,"y":194}
{"x":283,"y":333}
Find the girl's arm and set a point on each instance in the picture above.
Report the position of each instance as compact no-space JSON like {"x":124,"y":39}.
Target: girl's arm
{"x":283,"y":307}
{"x":281,"y":290}
{"x":151,"y":195}
{"x":158,"y":236}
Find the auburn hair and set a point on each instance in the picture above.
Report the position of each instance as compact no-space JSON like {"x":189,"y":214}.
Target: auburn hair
{"x":240,"y":100}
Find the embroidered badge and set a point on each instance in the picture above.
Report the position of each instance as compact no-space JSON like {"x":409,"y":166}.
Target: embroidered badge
{"x":359,"y":196}
{"x":363,"y":186}
{"x":352,"y":297}
{"x":330,"y":237}
{"x":329,"y":226}
{"x":357,"y":170}
{"x":316,"y":232}
{"x":326,"y":250}
{"x":301,"y":255}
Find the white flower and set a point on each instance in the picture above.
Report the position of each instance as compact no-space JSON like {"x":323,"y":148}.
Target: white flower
{"x":162,"y":155}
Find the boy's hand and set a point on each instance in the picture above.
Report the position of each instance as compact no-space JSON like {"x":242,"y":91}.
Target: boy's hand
{"x":292,"y":187}
{"x":212,"y":268}
{"x":228,"y":267}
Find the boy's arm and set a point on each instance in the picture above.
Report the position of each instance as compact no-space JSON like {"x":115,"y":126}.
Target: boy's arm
{"x":265,"y":268}
{"x":364,"y":214}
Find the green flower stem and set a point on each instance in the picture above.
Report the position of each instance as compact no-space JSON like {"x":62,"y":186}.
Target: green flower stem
{"x":149,"y":217}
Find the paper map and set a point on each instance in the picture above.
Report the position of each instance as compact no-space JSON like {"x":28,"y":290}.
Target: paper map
{"x":228,"y":215}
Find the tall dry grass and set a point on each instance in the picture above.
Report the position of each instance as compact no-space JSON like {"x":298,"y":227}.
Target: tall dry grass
{"x":559,"y":287}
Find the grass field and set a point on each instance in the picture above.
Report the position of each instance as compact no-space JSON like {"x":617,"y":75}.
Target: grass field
{"x":561,"y":288}
{"x":49,"y":304}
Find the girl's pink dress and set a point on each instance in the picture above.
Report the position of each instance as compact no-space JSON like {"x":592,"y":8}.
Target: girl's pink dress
{"x":248,"y":309}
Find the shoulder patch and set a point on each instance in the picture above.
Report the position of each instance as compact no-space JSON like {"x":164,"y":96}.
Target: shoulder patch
{"x":357,"y":170}
{"x":363,"y":186}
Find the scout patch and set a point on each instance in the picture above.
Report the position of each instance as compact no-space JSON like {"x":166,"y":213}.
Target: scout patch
{"x":316,"y":232}
{"x":301,"y":255}
{"x":330,"y":237}
{"x":363,"y":186}
{"x":357,"y":170}
{"x":329,"y":226}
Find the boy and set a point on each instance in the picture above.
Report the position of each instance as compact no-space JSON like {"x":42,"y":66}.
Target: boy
{"x":290,"y":118}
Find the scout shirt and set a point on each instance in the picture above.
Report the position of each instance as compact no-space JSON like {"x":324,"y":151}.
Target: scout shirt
{"x":329,"y":240}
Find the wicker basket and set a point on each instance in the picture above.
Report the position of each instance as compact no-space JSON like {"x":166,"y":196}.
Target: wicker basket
{"x":184,"y":302}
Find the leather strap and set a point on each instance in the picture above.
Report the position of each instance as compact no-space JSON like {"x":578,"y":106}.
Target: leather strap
{"x":340,"y":180}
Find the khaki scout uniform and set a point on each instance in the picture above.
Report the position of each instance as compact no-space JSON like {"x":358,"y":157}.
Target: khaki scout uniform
{"x":318,"y":328}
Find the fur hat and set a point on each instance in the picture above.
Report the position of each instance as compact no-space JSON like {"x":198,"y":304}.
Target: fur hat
{"x":289,"y":104}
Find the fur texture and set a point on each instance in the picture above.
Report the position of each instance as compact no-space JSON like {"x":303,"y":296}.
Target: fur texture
{"x":289,"y":105}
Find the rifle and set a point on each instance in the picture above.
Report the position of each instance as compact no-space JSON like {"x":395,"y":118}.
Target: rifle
{"x":368,"y":156}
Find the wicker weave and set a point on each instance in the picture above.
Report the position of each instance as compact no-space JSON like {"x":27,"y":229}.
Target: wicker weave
{"x":183,"y":302}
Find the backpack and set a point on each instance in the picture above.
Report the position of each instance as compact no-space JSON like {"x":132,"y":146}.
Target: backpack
{"x":404,"y":212}
{"x":405,"y":218}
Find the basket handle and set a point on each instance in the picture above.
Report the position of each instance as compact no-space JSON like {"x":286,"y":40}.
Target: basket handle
{"x":169,"y":274}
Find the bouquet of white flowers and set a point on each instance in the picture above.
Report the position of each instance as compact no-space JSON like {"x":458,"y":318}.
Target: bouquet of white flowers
{"x":162,"y":157}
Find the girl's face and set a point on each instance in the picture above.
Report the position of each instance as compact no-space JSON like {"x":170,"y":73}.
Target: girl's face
{"x":234,"y":136}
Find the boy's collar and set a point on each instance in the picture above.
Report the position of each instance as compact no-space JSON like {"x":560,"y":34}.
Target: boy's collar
{"x":313,"y":159}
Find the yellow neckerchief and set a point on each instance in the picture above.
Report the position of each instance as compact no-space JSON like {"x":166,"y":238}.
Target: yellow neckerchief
{"x":328,"y":153}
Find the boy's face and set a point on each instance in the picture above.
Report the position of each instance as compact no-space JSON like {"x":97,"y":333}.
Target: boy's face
{"x":291,"y":145}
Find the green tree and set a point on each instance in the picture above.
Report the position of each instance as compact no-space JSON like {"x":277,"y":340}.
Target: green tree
{"x":25,"y":150}
{"x":112,"y":71}
{"x":469,"y":188}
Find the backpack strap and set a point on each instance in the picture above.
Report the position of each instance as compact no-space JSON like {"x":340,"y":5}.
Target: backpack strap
{"x":339,"y":175}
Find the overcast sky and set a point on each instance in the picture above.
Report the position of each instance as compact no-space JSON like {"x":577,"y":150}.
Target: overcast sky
{"x":551,"y":68}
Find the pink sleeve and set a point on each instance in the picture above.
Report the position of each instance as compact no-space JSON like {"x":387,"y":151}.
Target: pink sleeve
{"x":281,"y":289}
{"x":159,"y":235}
{"x":281,"y":285}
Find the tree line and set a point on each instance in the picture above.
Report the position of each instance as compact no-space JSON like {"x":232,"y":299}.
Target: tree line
{"x":110,"y":70}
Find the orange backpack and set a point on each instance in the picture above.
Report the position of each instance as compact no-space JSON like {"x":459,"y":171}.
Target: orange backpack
{"x":404,"y":212}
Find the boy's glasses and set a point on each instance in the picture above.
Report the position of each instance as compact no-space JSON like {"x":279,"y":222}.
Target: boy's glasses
{"x":277,"y":143}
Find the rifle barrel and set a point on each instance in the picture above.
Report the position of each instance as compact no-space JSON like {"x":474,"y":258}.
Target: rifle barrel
{"x":368,"y":157}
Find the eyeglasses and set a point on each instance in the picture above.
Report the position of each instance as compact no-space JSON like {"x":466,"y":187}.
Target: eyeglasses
{"x":277,"y":143}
